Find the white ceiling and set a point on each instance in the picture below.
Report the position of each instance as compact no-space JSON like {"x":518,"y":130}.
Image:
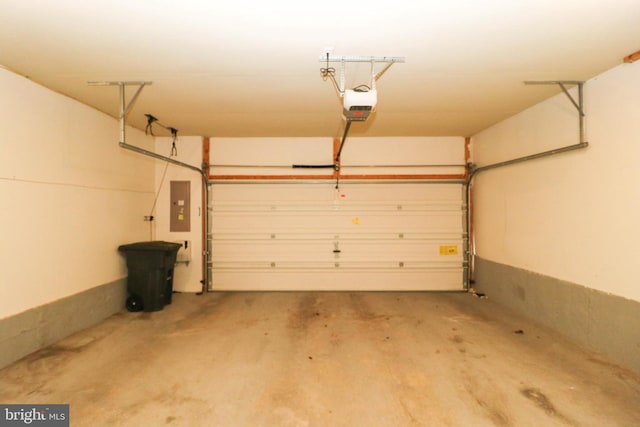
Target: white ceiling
{"x":251,"y":68}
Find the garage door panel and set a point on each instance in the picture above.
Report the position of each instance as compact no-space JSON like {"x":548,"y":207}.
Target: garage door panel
{"x":339,"y":279}
{"x":423,"y":251}
{"x":255,"y":193}
{"x":310,"y":236}
{"x":331,"y":221}
{"x":350,"y":194}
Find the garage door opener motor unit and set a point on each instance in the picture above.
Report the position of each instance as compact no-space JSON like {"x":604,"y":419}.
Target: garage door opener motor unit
{"x":358,"y":103}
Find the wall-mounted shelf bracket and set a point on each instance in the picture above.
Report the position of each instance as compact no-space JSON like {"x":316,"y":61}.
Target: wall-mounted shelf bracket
{"x":579,"y":104}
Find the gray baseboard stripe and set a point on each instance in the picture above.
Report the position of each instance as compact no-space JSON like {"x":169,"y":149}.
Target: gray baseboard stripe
{"x":605,"y":323}
{"x":41,"y":326}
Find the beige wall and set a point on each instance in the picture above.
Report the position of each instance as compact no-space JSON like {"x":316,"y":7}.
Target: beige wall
{"x":70,"y":195}
{"x":573,"y":216}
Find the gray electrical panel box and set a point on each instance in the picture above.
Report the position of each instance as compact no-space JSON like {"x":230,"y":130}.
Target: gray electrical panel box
{"x":180,"y":210}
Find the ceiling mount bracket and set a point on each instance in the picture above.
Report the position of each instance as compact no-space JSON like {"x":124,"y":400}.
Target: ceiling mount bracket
{"x":579,"y":104}
{"x":124,"y":110}
{"x":373,"y":60}
{"x":124,"y":106}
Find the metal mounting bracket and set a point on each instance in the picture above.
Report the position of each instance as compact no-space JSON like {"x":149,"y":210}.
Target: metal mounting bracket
{"x":373,"y":60}
{"x":579,"y":104}
{"x":124,"y":106}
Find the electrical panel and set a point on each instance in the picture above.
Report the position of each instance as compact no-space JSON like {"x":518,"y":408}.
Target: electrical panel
{"x":180,"y":209}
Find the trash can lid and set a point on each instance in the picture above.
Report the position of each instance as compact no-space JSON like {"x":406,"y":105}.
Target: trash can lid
{"x":156,"y":245}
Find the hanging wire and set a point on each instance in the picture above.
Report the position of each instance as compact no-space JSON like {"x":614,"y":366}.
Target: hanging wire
{"x":174,"y":136}
{"x":174,"y":152}
{"x":330,"y":72}
{"x":362,"y":88}
{"x":155,"y":200}
{"x":174,"y":132}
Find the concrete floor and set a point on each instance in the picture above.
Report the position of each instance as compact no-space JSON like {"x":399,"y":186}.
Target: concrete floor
{"x":325,"y":359}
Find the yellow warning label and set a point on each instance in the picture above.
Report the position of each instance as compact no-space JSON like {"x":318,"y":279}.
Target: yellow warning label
{"x":448,"y":249}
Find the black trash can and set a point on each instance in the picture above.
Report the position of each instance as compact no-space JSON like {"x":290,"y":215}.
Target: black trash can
{"x":150,"y":281}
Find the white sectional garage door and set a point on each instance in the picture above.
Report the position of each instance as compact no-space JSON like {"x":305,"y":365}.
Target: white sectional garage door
{"x":365,"y":235}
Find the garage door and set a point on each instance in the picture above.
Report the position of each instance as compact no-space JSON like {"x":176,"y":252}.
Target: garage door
{"x":308,"y":235}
